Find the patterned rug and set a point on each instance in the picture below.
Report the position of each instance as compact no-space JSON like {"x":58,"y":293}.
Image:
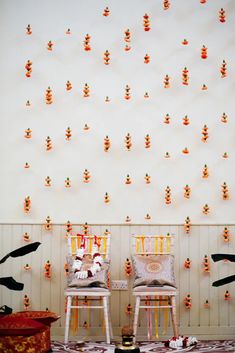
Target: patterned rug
{"x":145,"y":347}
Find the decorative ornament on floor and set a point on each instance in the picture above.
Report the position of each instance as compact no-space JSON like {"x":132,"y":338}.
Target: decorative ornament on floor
{"x":186,"y":120}
{"x":86,"y":91}
{"x":27,"y":165}
{"x":185,"y":150}
{"x":188,"y":302}
{"x":48,"y":223}
{"x":168,"y":195}
{"x":205,"y":134}
{"x":223,"y":69}
{"x":146,"y":22}
{"x":187,"y":263}
{"x":106,"y":57}
{"x":128,"y":142}
{"x":107,"y":143}
{"x":127,"y":92}
{"x":226,"y":235}
{"x":106,"y":198}
{"x":26,"y":302}
{"x":27,"y":204}
{"x":222,"y":17}
{"x":187,"y":225}
{"x":68,"y":86}
{"x":28,"y":67}
{"x":206,"y":209}
{"x":29,"y":30}
{"x":128,"y":180}
{"x":205,"y":172}
{"x":68,"y":134}
{"x":224,"y":118}
{"x":225,"y":191}
{"x":86,"y":176}
{"x":167,"y":119}
{"x":47,"y":268}
{"x":49,"y":96}
{"x":47,"y":181}
{"x":68,"y":227}
{"x":128,"y":268}
{"x":166,"y":82}
{"x":26,"y":237}
{"x":28,"y":133}
{"x":106,"y":12}
{"x":187,"y":191}
{"x":147,"y":141}
{"x":50,"y":45}
{"x":86,"y":42}
{"x":67,"y":183}
{"x":166,"y":4}
{"x":206,"y":264}
{"x":129,"y":309}
{"x":181,"y":342}
{"x":147,"y":178}
{"x":204,"y":52}
{"x":27,"y":267}
{"x":185,"y":42}
{"x":48,"y":144}
{"x":185,"y":76}
{"x":146,"y":59}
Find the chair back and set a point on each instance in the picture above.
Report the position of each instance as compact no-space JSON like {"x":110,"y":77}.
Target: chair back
{"x":87,"y":242}
{"x":152,"y":244}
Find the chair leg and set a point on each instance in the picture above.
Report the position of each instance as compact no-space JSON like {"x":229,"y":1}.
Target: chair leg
{"x":106,"y":319}
{"x":137,"y":308}
{"x":67,"y":322}
{"x":110,"y":321}
{"x":174,"y":317}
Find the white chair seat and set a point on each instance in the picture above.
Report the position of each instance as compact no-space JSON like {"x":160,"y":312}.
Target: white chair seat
{"x":150,"y":289}
{"x":92,"y":290}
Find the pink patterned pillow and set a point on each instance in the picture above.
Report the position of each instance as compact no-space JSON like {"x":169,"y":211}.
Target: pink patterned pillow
{"x":154,"y":270}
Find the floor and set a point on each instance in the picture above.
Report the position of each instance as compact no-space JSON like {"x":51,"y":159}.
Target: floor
{"x":145,"y":347}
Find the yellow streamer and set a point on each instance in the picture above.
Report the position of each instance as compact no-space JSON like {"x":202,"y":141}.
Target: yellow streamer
{"x":142,"y":242}
{"x":137,"y":244}
{"x":156,"y":245}
{"x":168,"y":244}
{"x":75,"y":318}
{"x":161,"y":245}
{"x":105,"y":246}
{"x":90,"y":245}
{"x":166,"y":320}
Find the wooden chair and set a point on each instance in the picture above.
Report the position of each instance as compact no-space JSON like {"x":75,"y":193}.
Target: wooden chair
{"x":92,"y":294}
{"x":154,"y":297}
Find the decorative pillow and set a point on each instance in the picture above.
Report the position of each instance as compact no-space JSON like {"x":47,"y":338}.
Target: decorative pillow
{"x":100,"y":279}
{"x":153,"y":270}
{"x":10,"y":326}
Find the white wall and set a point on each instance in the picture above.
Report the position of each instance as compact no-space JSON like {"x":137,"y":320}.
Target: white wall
{"x":68,"y":61}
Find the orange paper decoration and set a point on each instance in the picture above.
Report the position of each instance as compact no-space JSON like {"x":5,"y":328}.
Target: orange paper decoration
{"x":128,"y":180}
{"x":167,"y":119}
{"x":187,"y":263}
{"x":28,"y":67}
{"x":48,"y":96}
{"x":205,"y":172}
{"x":223,"y":69}
{"x":86,"y":91}
{"x":106,"y":57}
{"x":28,"y":133}
{"x":226,"y":235}
{"x":166,"y":4}
{"x":206,"y":264}
{"x":48,"y":223}
{"x":147,"y":178}
{"x":167,"y":82}
{"x":26,"y":237}
{"x":187,"y":225}
{"x":68,"y":31}
{"x":27,"y":204}
{"x":86,"y":176}
{"x":128,"y":142}
{"x":185,"y":150}
{"x":222,"y":17}
{"x":26,"y":302}
{"x":47,"y":181}
{"x":185,"y":76}
{"x":47,"y":268}
{"x":225,"y":155}
{"x":68,"y":134}
{"x":206,"y":304}
{"x":68,"y":86}
{"x":224,"y":118}
{"x":147,"y":216}
{"x":86,"y":42}
{"x":29,"y":30}
{"x":188,"y":302}
{"x":48,"y":143}
{"x":128,"y":268}
{"x":185,"y":42}
{"x":187,"y":191}
{"x":168,"y":195}
{"x":204,"y":52}
{"x":205,"y":134}
{"x":146,"y":23}
{"x":106,"y":198}
{"x":227,"y":295}
{"x":128,"y":219}
{"x":69,"y":227}
{"x":167,"y":155}
{"x":127,"y":93}
{"x":146,"y":59}
{"x":106,"y":12}
{"x":50,"y":45}
{"x":146,"y":95}
{"x":86,"y":127}
{"x":225,"y":191}
{"x":107,"y":144}
{"x":67,"y":182}
{"x":206,"y":209}
{"x":27,"y":267}
{"x":147,"y":141}
{"x":127,"y":37}
{"x":204,"y":87}
{"x":186,"y":120}
{"x":107,"y":100}
{"x":28,"y":104}
{"x":129,"y":309}
{"x":66,"y":269}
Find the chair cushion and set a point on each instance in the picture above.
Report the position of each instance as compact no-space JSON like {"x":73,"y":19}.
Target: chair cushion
{"x":153,"y":270}
{"x":100,"y":279}
{"x":153,"y":289}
